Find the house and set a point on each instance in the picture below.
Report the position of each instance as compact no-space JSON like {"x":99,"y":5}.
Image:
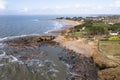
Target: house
{"x":111,"y":23}
{"x":114,"y":33}
{"x":83,"y":28}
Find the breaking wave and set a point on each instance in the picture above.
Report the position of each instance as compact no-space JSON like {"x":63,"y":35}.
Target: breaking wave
{"x":13,"y":37}
{"x":56,"y":26}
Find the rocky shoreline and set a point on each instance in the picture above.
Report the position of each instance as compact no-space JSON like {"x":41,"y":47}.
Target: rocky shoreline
{"x":81,"y":67}
{"x":85,"y":61}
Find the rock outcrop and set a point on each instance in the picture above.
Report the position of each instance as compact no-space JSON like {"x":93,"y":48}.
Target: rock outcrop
{"x":30,"y":41}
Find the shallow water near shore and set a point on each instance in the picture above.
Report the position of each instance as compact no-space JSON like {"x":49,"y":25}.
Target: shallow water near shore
{"x":41,"y":63}
{"x":14,"y":25}
{"x":24,"y":55}
{"x":21,"y":59}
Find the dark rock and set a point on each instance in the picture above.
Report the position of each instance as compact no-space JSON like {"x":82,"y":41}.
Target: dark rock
{"x":83,"y":67}
{"x":30,"y":41}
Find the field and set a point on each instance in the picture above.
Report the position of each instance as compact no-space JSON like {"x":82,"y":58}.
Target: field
{"x":110,"y":47}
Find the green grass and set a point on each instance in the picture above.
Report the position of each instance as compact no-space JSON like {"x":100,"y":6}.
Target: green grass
{"x":110,"y":47}
{"x":102,"y":24}
{"x":75,"y":34}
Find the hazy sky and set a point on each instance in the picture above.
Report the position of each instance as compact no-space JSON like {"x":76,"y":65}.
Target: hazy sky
{"x":33,"y":7}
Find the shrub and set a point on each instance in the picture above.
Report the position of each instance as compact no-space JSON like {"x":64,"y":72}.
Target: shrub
{"x":114,"y":38}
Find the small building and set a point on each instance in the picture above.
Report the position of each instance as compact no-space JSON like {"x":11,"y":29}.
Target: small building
{"x":111,"y":23}
{"x":83,"y":28}
{"x":114,"y":33}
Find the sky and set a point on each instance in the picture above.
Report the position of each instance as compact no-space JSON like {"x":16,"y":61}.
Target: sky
{"x":59,"y":7}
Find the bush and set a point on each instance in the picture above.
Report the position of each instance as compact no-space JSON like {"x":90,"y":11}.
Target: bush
{"x":114,"y":38}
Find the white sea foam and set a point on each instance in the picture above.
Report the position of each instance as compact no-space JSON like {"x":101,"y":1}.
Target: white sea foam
{"x":13,"y":59}
{"x":36,"y":20}
{"x":13,"y":37}
{"x":41,"y":65}
{"x":1,"y":64}
{"x":53,"y":70}
{"x":2,"y":45}
{"x":56,"y":26}
{"x":54,"y":75}
{"x":2,"y":54}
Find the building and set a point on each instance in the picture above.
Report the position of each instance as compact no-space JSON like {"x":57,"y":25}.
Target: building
{"x":114,"y":33}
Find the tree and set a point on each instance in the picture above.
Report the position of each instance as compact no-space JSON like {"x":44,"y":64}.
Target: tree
{"x":88,"y":23}
{"x":115,"y":27}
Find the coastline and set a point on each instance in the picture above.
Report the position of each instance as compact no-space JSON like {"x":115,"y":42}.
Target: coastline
{"x":73,"y":23}
{"x":65,"y":28}
{"x":80,"y":46}
{"x":81,"y":67}
{"x":89,"y":49}
{"x":81,"y":63}
{"x":86,"y":50}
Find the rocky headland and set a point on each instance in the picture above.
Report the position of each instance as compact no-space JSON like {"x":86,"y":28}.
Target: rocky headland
{"x":82,"y":56}
{"x":80,"y":67}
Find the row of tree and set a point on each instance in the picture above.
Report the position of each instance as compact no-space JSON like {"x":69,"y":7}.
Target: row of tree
{"x":71,"y":18}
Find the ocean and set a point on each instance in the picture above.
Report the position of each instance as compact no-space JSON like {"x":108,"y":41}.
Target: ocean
{"x":14,"y":25}
{"x":30,"y":63}
{"x":26,"y":56}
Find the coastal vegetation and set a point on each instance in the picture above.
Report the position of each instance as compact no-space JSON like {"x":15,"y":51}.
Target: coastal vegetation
{"x":110,"y":47}
{"x":114,"y":38}
{"x":104,"y":32}
{"x":92,"y":29}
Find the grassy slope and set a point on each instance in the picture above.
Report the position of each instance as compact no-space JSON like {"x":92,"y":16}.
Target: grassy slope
{"x":110,"y":47}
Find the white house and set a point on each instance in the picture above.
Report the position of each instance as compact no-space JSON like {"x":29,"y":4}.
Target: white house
{"x":83,"y":28}
{"x":114,"y":33}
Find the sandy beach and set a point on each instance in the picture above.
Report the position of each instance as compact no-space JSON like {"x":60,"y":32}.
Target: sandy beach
{"x":71,"y":22}
{"x":80,"y":46}
{"x":66,"y":28}
{"x":89,"y":49}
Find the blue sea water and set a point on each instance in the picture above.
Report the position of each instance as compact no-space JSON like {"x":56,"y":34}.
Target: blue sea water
{"x":46,"y":65}
{"x":17,"y":25}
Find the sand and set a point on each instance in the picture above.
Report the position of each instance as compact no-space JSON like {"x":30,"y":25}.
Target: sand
{"x":80,"y":46}
{"x":108,"y":67}
{"x":71,"y":22}
{"x":65,"y":29}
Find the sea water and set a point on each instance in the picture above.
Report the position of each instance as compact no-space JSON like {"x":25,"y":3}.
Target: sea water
{"x":22,"y":64}
{"x":14,"y":25}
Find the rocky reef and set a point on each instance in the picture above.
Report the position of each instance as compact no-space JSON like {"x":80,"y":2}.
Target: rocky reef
{"x":32,"y":50}
{"x":30,"y":41}
{"x":81,"y":67}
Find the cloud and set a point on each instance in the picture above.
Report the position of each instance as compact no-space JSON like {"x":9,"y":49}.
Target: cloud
{"x":2,"y":4}
{"x":74,"y":8}
{"x":24,"y":10}
{"x":117,"y":3}
{"x":77,"y":8}
{"x":91,"y":8}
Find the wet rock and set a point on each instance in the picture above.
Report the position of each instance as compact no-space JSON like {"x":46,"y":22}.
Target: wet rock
{"x":30,"y":41}
{"x":82,"y":68}
{"x":15,"y":71}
